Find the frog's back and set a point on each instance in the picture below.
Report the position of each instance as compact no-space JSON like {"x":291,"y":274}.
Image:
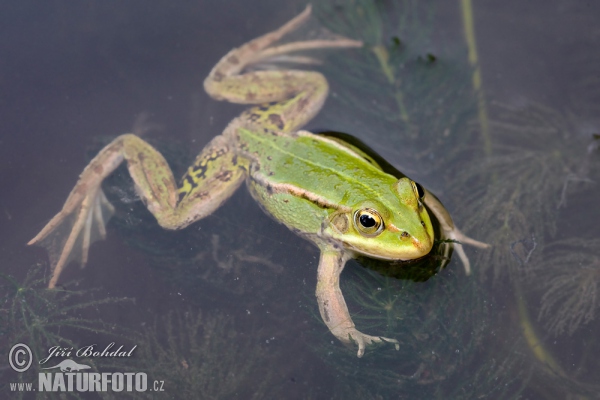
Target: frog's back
{"x":317,"y":165}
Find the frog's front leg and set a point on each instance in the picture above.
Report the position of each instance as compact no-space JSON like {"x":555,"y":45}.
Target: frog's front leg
{"x":332,"y":305}
{"x":212,"y":178}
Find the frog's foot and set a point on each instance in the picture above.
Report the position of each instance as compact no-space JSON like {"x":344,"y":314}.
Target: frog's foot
{"x":458,"y":236}
{"x":362,"y":340}
{"x":70,"y":233}
{"x":281,"y":53}
{"x":332,"y":305}
{"x":84,"y":215}
{"x":449,"y":231}
{"x":258,"y":51}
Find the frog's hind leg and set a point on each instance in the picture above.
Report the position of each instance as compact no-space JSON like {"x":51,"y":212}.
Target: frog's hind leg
{"x":450,"y":231}
{"x":213,"y":177}
{"x":211,"y":180}
{"x":287,"y":99}
{"x":258,"y":50}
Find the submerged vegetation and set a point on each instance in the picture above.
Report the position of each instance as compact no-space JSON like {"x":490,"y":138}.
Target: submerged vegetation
{"x":42,"y":318}
{"x":571,"y":297}
{"x":200,"y":356}
{"x":520,"y":188}
{"x":514,"y":186}
{"x":441,"y":325}
{"x":406,"y":92}
{"x":459,"y":337}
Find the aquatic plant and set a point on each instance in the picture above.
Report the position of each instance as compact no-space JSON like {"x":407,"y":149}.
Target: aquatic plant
{"x":441,"y":324}
{"x":200,"y":356}
{"x":519,"y":178}
{"x":404,"y":89}
{"x":422,"y":101}
{"x":519,"y":189}
{"x":41,"y":318}
{"x":571,"y":296}
{"x":540,"y":162}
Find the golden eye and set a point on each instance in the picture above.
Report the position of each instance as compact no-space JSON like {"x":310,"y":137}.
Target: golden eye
{"x":368,"y":222}
{"x":418,"y":189}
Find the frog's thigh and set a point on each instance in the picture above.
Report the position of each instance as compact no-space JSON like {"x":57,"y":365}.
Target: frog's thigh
{"x":287,"y":99}
{"x":213,"y":177}
{"x":198,"y":196}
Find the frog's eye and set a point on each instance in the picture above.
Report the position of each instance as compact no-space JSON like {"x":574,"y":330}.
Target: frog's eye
{"x":368,"y":222}
{"x":418,"y":189}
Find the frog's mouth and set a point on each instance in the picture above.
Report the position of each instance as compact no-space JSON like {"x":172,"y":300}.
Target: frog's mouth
{"x":384,"y":258}
{"x":419,"y":249}
{"x":411,"y":256}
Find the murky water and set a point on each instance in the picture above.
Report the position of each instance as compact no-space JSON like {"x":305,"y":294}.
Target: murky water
{"x":226,"y":307}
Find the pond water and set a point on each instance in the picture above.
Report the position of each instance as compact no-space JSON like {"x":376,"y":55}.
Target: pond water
{"x":491,"y":105}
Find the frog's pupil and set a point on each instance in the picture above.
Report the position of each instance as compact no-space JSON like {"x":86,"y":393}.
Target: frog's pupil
{"x":367,"y":221}
{"x":420,"y":190}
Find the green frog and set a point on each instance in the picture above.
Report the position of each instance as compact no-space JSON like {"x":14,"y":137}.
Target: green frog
{"x":325,"y":189}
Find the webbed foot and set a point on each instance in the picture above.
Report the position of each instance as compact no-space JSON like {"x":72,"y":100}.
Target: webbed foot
{"x":458,"y":247}
{"x":229,"y":79}
{"x":84,"y":215}
{"x":70,"y":233}
{"x":363,"y":340}
{"x":450,"y":231}
{"x":280,"y":53}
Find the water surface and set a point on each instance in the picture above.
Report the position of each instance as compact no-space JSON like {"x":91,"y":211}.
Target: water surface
{"x":226,"y":308}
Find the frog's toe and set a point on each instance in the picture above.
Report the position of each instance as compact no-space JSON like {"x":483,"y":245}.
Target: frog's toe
{"x":460,"y":237}
{"x":363,"y":340}
{"x":464,"y":239}
{"x":273,"y":63}
{"x":70,"y":233}
{"x":282,"y":53}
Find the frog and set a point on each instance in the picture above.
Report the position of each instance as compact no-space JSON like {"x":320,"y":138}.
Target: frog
{"x":324,"y":189}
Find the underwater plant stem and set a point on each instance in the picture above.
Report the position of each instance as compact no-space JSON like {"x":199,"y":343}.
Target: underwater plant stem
{"x":384,"y":57}
{"x":533,"y":341}
{"x":469,"y":29}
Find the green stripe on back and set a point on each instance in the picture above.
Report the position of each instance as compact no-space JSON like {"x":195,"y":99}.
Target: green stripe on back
{"x":322,"y":167}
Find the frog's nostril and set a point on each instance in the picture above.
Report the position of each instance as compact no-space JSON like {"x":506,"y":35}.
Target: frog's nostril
{"x":405,"y":234}
{"x":423,"y":224}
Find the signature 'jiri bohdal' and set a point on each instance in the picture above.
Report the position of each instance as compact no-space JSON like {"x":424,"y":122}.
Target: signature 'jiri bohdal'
{"x":90,"y":351}
{"x":324,"y":189}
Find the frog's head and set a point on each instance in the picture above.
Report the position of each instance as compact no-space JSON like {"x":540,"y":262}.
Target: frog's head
{"x":400,"y":229}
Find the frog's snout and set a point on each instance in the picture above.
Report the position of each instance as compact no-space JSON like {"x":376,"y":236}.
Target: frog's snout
{"x":422,"y":245}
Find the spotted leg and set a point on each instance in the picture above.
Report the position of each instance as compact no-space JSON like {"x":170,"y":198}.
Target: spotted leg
{"x":213,"y":177}
{"x":288,"y":99}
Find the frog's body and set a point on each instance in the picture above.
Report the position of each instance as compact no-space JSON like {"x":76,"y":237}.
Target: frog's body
{"x":324,"y":189}
{"x":335,"y":182}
